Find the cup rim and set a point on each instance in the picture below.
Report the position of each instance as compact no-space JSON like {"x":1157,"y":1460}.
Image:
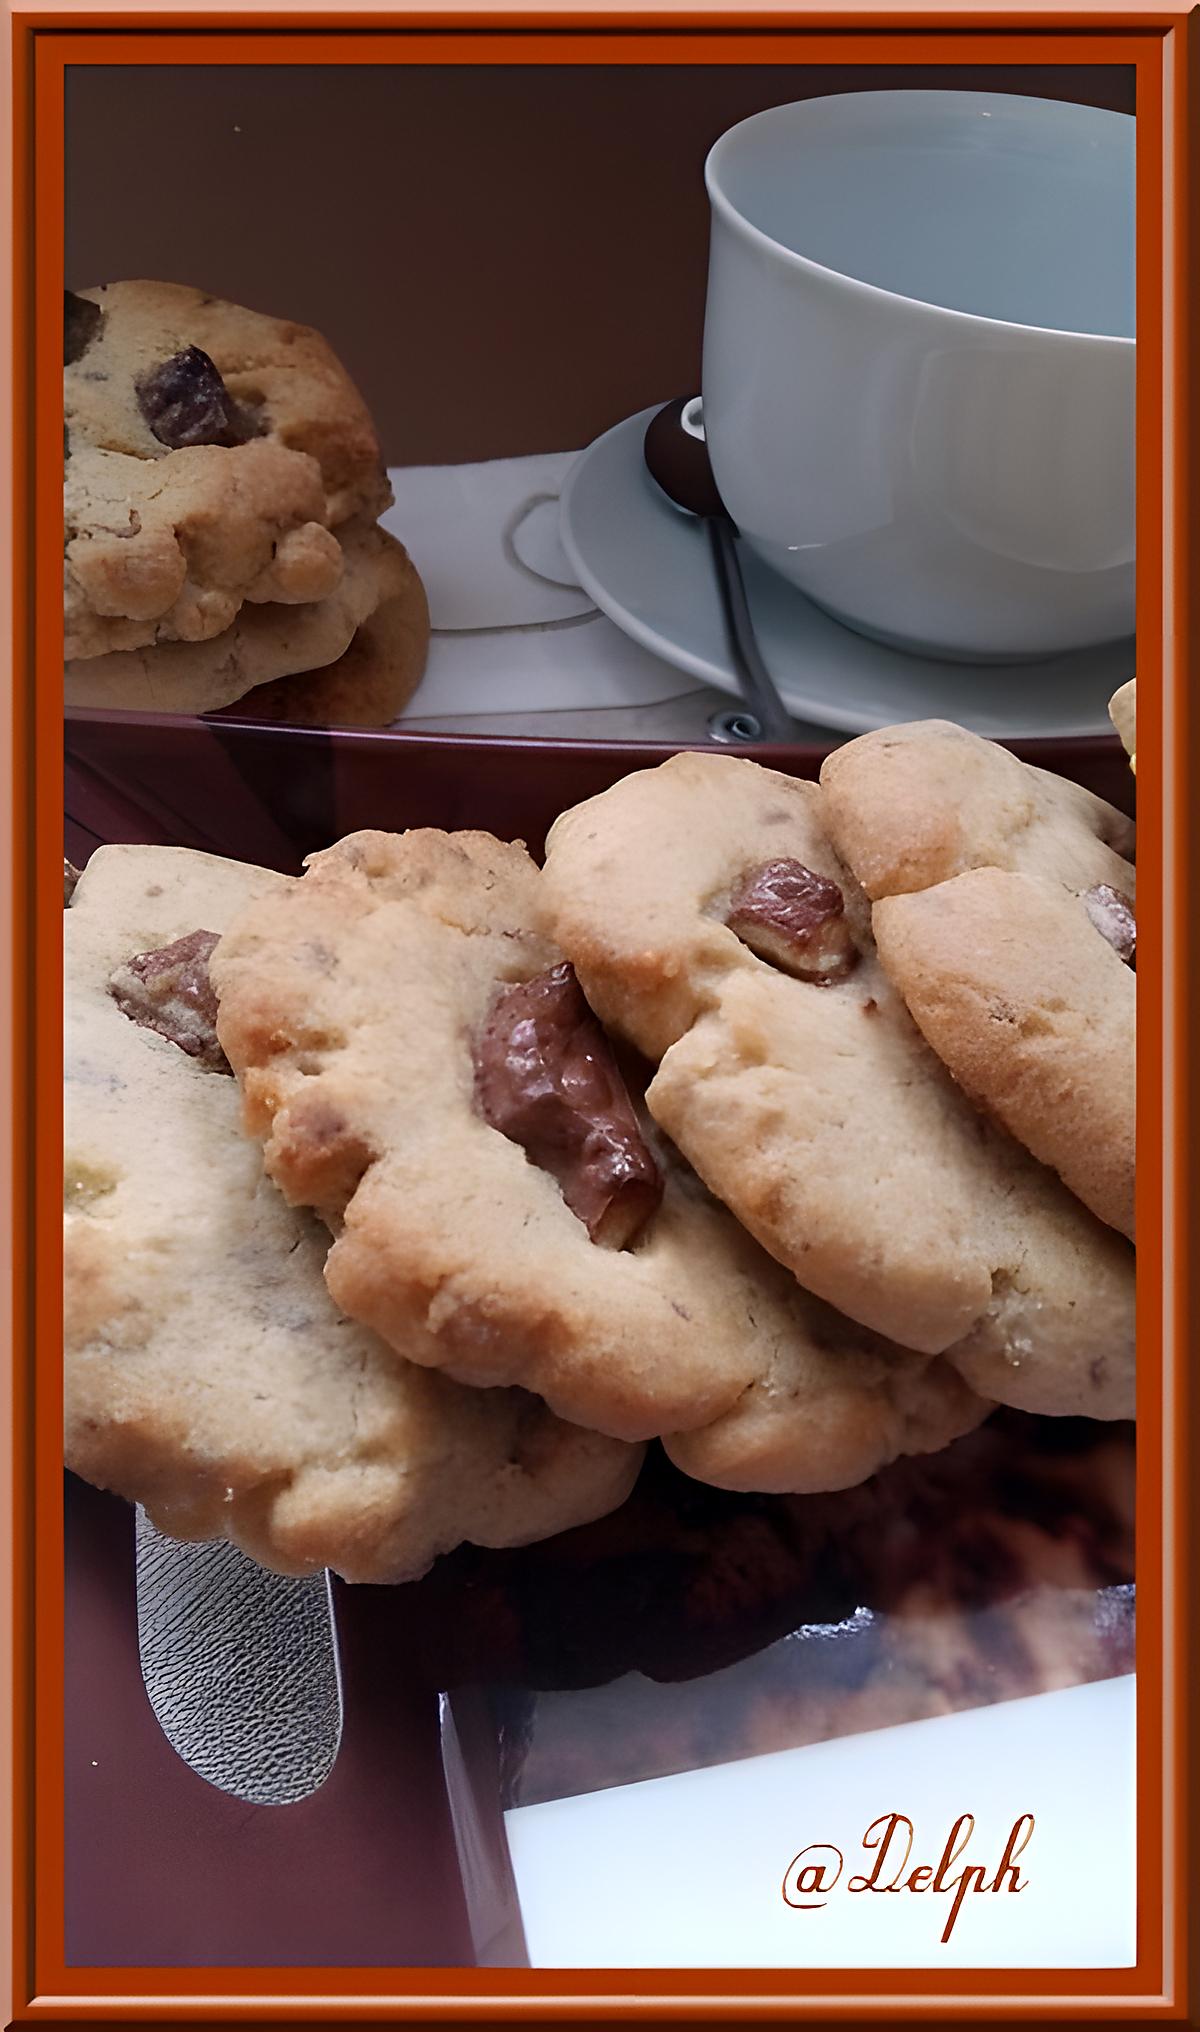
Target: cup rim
{"x":724,"y":206}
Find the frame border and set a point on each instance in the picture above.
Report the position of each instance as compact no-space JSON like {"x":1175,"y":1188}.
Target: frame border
{"x":1161,"y":43}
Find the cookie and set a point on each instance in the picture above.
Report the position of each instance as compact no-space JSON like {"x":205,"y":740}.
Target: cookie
{"x":1033,"y":1012}
{"x":1003,"y":912}
{"x":167,"y":550}
{"x":132,"y":382}
{"x":913,"y":805}
{"x":1122,"y":711}
{"x":209,"y":450}
{"x":803,"y":1094}
{"x":265,"y":642}
{"x":208,"y":1374}
{"x":832,"y":1405}
{"x":424,"y":1071}
{"x":369,"y":684}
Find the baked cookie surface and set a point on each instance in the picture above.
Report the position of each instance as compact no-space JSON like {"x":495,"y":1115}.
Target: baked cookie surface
{"x":269,"y":641}
{"x":209,"y":452}
{"x":1004,"y":914}
{"x":167,"y":551}
{"x":397,"y":1007}
{"x":368,"y":685}
{"x":208,"y":1374}
{"x":1122,"y":711}
{"x":278,"y":380}
{"x":1034,"y":1012}
{"x":910,"y":806}
{"x":806,"y":1098}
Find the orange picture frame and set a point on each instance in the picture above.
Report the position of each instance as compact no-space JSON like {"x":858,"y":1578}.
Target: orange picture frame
{"x":1161,"y":44}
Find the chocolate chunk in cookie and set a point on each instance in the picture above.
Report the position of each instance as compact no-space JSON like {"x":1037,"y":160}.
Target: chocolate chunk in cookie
{"x":1113,"y":918}
{"x":171,"y":991}
{"x":795,"y":919}
{"x":185,"y":402}
{"x":545,"y":1075}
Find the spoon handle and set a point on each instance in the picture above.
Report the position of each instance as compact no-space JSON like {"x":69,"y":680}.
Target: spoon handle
{"x":758,"y":686}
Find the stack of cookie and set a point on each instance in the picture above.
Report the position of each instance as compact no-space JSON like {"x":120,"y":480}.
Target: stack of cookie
{"x":868,"y":1175}
{"x":222,"y":485}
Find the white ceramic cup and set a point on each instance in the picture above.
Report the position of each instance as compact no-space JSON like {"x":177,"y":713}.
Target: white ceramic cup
{"x":919,"y":363}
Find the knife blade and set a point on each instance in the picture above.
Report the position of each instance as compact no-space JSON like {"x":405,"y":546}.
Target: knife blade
{"x":240,"y":1666}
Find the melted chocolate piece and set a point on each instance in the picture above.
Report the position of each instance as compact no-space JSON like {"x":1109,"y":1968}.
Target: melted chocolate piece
{"x":170,"y":991}
{"x":185,"y":402}
{"x":81,"y":322}
{"x":793,"y":918}
{"x":545,"y":1077}
{"x":1113,"y":918}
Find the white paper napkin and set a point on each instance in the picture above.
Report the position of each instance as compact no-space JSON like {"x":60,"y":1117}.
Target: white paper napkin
{"x":571,"y":665}
{"x":485,"y":541}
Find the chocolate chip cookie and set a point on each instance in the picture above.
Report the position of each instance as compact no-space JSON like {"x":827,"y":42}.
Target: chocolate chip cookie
{"x":913,"y":805}
{"x":424,"y":1071}
{"x":368,"y":685}
{"x":1004,"y":913}
{"x":378,"y":586}
{"x":712,"y":924}
{"x":209,"y":452}
{"x":167,"y":551}
{"x":1034,"y":1011}
{"x":209,"y":1375}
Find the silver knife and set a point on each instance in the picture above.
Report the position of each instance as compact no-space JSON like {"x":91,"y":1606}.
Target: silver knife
{"x":240,"y":1665}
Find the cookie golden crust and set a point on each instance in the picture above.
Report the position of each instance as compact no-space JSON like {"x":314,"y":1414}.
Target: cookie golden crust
{"x":352,"y":1012}
{"x":369,"y":684}
{"x":208,"y":1374}
{"x":995,"y":888}
{"x":1122,"y":711}
{"x":910,"y":806}
{"x":285,"y":380}
{"x":209,"y":454}
{"x":833,"y":1404}
{"x":1033,"y":1012}
{"x":815,"y":1110}
{"x":167,"y":550}
{"x":269,"y":642}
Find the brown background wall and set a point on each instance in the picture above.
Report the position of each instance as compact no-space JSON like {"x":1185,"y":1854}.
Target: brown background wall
{"x":508,"y":259}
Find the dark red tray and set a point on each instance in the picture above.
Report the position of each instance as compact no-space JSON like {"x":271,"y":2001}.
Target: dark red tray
{"x":161,"y":1868}
{"x":273,"y":794}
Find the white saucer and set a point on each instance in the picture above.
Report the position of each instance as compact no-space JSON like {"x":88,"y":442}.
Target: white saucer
{"x":648,"y":566}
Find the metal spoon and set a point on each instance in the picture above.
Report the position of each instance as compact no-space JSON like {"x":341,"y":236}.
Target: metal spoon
{"x":677,"y":460}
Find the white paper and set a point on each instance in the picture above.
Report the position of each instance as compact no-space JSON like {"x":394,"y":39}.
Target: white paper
{"x":573,"y":666}
{"x":689,"y":1871}
{"x":485,"y":541}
